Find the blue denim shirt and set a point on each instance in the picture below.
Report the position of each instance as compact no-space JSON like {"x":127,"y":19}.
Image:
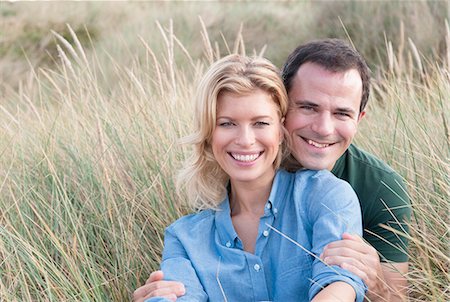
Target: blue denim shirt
{"x":312,"y":208}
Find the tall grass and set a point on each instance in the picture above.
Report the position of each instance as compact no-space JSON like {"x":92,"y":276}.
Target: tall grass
{"x":87,"y":176}
{"x":408,"y":125}
{"x":88,"y":152}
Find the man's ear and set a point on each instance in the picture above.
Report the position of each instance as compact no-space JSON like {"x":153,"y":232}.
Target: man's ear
{"x":361,"y":115}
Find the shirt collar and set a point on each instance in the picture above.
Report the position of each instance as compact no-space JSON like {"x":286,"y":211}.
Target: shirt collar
{"x":273,"y":204}
{"x":224,"y":226}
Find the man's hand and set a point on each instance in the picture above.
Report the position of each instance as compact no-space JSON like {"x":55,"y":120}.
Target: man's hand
{"x":384,"y":281}
{"x":155,"y":286}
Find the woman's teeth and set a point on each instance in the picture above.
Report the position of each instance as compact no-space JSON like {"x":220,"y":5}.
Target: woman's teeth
{"x":245,"y":158}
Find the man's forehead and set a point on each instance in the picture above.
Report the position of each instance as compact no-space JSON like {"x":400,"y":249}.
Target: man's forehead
{"x":306,"y":69}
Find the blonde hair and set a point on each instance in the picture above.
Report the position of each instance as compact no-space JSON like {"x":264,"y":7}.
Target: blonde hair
{"x":202,"y":177}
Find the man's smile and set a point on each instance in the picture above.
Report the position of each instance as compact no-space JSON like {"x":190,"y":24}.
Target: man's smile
{"x":315,"y":143}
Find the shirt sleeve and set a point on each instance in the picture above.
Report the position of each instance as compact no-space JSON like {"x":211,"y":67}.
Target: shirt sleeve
{"x":390,"y":207}
{"x":333,"y":210}
{"x":177,"y":267}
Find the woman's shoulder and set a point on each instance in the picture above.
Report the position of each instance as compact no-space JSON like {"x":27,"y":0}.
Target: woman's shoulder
{"x":321,"y":192}
{"x":315,"y":175}
{"x":312,"y":179}
{"x":322,"y":180}
{"x":193,"y":221}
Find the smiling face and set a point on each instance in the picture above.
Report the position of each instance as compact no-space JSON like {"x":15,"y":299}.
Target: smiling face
{"x":323,"y":115}
{"x":247,"y":136}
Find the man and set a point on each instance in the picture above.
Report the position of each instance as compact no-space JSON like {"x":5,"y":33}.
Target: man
{"x":328,"y":85}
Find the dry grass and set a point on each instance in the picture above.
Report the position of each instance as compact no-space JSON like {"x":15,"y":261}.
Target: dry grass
{"x":88,"y":152}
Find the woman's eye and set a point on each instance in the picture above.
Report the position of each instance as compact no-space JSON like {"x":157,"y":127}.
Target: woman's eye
{"x":262,"y":123}
{"x":225,"y":124}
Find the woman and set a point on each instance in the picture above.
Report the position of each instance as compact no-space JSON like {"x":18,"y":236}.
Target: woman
{"x":260,"y":230}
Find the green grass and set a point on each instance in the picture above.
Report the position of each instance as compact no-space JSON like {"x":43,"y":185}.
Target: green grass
{"x":88,"y":143}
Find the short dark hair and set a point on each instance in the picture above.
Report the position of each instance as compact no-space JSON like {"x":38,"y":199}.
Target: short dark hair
{"x":332,"y":54}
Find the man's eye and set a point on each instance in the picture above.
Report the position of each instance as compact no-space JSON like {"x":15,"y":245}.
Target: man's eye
{"x":305,"y":107}
{"x":343,"y":114}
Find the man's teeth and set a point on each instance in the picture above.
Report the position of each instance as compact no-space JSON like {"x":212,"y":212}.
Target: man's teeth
{"x":316,"y":144}
{"x":245,"y":158}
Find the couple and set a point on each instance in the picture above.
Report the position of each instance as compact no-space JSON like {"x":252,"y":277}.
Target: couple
{"x":233,"y":249}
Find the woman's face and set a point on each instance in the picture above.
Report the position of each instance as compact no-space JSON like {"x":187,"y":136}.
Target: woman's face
{"x":247,"y":136}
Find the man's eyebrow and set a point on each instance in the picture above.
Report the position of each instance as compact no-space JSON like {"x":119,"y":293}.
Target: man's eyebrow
{"x":345,"y":110}
{"x":305,"y":102}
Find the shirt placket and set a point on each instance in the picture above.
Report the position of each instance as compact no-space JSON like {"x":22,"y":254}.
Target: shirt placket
{"x":257,"y":277}
{"x":255,"y":264}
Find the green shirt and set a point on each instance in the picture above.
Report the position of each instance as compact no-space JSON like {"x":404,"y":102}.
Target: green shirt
{"x":383,"y":198}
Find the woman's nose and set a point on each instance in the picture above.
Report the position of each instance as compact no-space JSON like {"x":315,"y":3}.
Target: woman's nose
{"x":246,"y":137}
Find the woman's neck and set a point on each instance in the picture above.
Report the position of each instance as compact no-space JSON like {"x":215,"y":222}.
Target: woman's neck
{"x":249,"y":198}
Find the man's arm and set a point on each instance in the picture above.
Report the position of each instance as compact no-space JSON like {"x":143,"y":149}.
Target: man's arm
{"x":386,"y":281}
{"x":394,"y":274}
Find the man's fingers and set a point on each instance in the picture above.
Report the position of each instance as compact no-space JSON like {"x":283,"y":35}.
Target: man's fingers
{"x":171,"y":297}
{"x":177,"y":288}
{"x":155,"y":276}
{"x":140,"y":293}
{"x":356,"y":244}
{"x":357,"y":271}
{"x":361,"y":268}
{"x":342,"y":251}
{"x":167,"y":292}
{"x":342,"y":261}
{"x":338,"y":257}
{"x":165,"y":287}
{"x":347,"y":236}
{"x":162,"y":288}
{"x":367,"y":274}
{"x":159,"y":289}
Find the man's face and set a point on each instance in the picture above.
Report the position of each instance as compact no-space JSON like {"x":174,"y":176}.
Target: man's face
{"x":323,"y":114}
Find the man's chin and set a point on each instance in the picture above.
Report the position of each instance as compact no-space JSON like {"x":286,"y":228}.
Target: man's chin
{"x":314,"y":164}
{"x":316,"y":167}
{"x":320,"y":160}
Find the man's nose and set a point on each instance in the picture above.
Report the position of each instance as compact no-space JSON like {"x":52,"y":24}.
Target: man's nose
{"x":323,"y":124}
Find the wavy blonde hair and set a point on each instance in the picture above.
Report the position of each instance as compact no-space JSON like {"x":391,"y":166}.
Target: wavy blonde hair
{"x":202,"y":177}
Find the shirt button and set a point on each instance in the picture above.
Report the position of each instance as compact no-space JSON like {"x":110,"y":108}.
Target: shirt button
{"x":266,"y":233}
{"x":275,"y":210}
{"x":269,"y":205}
{"x":257,"y":267}
{"x":228,"y":244}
